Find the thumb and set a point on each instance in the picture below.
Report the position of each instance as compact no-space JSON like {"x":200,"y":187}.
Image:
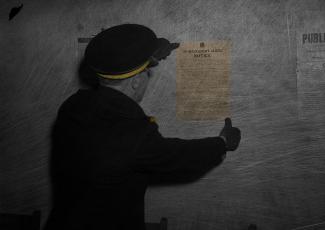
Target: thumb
{"x":174,"y":46}
{"x":228,"y":123}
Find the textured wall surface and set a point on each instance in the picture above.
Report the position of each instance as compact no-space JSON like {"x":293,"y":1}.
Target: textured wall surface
{"x":276,"y":179}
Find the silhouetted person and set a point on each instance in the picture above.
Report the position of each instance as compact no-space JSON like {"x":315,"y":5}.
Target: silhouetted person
{"x":106,"y":150}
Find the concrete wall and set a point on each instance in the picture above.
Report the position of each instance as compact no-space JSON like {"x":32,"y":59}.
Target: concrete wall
{"x":274,"y":180}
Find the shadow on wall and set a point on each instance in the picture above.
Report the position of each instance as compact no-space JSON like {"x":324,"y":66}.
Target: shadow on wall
{"x":14,"y":11}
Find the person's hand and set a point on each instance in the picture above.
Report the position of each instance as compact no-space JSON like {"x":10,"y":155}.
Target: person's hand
{"x":164,"y":49}
{"x":231,"y":135}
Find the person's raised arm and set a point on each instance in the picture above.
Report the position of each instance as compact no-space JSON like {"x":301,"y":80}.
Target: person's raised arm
{"x":158,"y":154}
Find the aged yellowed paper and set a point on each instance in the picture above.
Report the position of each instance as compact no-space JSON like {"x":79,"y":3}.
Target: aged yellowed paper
{"x":202,"y":81}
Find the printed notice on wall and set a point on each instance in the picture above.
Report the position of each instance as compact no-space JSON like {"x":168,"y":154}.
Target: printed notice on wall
{"x":310,"y":39}
{"x":202,"y":82}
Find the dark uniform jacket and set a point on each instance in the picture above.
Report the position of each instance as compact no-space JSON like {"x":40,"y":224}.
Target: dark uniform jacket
{"x":105,"y":153}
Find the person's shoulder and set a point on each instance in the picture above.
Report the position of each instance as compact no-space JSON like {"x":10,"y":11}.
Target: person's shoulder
{"x":81,"y":98}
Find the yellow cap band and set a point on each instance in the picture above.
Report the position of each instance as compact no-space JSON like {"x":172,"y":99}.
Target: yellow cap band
{"x":125,"y":75}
